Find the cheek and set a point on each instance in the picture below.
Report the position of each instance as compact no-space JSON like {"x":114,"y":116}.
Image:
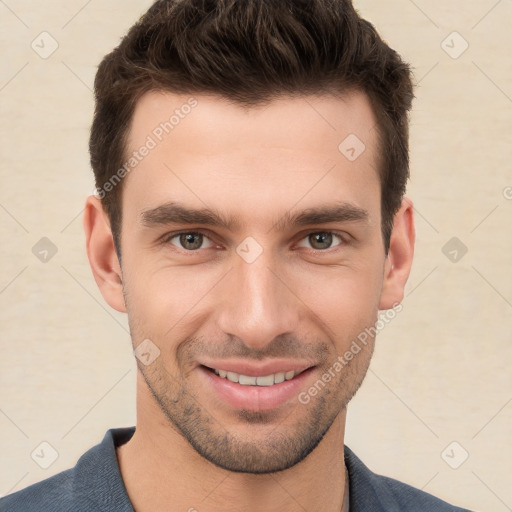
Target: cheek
{"x":344,"y":297}
{"x":169,"y":301}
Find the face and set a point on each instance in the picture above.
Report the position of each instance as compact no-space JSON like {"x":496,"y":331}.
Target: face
{"x":252,"y":251}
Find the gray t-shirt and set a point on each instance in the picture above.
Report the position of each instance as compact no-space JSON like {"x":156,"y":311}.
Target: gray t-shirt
{"x":95,"y":485}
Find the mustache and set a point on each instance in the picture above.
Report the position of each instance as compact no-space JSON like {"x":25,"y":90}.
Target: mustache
{"x":282,"y":346}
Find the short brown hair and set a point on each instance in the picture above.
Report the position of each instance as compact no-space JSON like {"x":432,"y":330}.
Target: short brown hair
{"x":252,"y":51}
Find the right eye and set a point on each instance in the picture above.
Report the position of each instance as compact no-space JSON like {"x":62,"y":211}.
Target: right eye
{"x":187,"y":240}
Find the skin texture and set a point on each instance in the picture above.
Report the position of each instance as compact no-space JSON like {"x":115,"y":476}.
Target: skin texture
{"x":298,"y":300}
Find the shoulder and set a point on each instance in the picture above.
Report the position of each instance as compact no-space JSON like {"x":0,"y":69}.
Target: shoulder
{"x":370,"y":492}
{"x":53,"y":494}
{"x":93,"y":484}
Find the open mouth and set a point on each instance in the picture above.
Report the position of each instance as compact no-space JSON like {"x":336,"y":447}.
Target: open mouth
{"x":260,"y":380}
{"x":268,"y":391}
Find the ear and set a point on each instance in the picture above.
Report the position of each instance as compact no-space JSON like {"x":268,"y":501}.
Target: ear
{"x":399,"y":259}
{"x":102,"y":255}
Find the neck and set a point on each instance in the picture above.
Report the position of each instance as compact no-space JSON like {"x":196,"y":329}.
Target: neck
{"x":162,"y":471}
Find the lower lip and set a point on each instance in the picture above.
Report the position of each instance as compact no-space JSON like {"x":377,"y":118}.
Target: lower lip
{"x":255,"y":398}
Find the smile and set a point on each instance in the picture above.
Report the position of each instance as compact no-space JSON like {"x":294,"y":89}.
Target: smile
{"x":264,"y":380}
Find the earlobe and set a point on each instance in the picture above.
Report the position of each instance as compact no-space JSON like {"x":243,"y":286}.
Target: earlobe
{"x":102,"y":255}
{"x":400,"y":255}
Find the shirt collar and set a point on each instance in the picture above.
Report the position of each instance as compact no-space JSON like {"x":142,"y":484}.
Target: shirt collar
{"x":98,"y":469}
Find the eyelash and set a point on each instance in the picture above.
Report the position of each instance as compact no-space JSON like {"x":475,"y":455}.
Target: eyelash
{"x":166,"y":239}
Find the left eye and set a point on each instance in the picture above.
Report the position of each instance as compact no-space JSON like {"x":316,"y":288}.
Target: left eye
{"x":322,"y":240}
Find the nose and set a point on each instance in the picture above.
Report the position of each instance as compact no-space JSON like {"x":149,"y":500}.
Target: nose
{"x":258,"y":303}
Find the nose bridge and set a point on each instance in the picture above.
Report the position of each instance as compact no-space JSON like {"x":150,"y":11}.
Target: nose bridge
{"x":257,"y":306}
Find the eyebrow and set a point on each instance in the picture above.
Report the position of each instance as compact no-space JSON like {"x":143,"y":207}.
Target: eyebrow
{"x":175,"y":213}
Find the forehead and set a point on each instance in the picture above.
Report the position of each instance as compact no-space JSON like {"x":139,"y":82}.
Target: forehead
{"x":205,"y":150}
{"x":324,"y":119}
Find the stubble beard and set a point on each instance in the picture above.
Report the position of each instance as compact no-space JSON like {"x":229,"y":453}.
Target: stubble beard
{"x":282,"y":446}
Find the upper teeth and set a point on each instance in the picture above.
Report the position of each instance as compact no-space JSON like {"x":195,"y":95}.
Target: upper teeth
{"x":246,"y":380}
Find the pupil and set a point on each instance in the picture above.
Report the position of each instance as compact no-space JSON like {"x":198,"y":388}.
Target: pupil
{"x":189,"y":239}
{"x":324,"y":239}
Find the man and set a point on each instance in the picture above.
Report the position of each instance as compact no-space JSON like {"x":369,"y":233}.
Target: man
{"x":251,"y":160}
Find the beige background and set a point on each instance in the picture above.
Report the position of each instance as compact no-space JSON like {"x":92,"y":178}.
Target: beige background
{"x":442,"y":368}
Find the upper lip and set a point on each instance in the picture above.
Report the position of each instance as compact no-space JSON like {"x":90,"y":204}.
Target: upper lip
{"x":261,"y":369}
